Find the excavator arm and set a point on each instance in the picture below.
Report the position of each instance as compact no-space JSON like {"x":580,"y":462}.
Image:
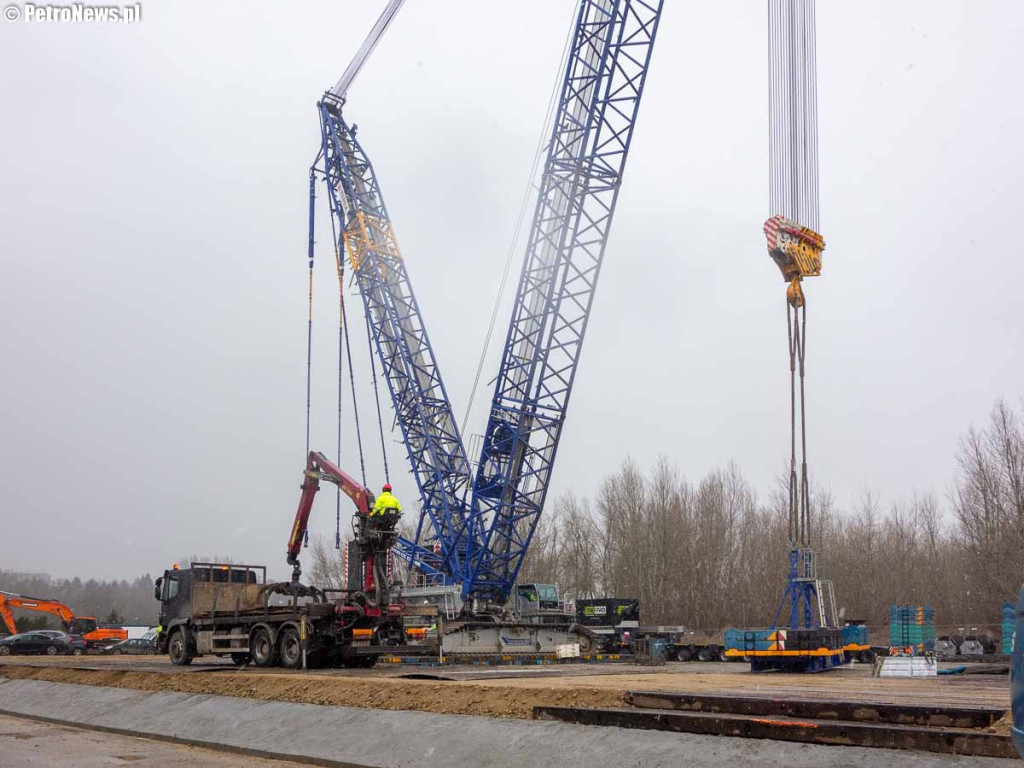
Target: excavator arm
{"x":319,"y":467}
{"x":10,"y":600}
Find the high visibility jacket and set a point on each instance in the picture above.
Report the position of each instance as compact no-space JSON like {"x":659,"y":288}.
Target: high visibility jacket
{"x":386,"y":502}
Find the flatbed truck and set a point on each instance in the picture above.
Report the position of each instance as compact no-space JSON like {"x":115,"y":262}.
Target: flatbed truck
{"x":226,"y":609}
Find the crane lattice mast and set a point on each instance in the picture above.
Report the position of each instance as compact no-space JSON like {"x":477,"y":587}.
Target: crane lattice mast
{"x":590,"y":139}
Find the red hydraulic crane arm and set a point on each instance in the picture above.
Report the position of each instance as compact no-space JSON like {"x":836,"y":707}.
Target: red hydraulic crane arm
{"x":9,"y":600}
{"x":319,"y":467}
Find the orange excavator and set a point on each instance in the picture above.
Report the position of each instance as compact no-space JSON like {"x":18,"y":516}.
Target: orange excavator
{"x":86,"y":626}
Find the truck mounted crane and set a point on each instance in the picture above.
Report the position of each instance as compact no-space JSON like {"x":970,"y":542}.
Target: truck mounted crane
{"x":226,"y":609}
{"x":477,"y":523}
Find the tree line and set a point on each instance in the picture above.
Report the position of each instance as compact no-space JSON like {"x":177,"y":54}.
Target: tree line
{"x":116,"y":601}
{"x":711,"y":553}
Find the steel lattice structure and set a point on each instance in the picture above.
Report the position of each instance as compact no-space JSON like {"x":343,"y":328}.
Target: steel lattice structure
{"x":483,"y":524}
{"x":423,"y":411}
{"x":590,"y":139}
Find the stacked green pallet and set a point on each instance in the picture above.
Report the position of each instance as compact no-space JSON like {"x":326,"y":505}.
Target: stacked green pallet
{"x":912,"y":626}
{"x":1009,"y":618}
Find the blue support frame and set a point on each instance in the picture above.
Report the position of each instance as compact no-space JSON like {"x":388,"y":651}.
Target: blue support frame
{"x":801,"y":592}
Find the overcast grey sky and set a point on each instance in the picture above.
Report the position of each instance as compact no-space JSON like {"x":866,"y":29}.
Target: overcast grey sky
{"x":153,"y":196}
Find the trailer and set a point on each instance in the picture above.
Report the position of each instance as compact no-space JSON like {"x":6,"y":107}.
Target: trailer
{"x":225,"y":609}
{"x":616,"y":621}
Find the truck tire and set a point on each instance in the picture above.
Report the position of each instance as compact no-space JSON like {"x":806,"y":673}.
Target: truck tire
{"x":704,"y":654}
{"x":178,"y":650}
{"x":721,"y":655}
{"x":684,"y":654}
{"x":262,"y":648}
{"x":289,"y":648}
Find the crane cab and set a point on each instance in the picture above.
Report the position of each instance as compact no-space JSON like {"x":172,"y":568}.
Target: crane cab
{"x":539,"y":604}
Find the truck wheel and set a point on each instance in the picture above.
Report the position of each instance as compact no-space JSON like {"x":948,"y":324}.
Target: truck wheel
{"x":289,"y":648}
{"x":721,"y":655}
{"x":683,"y":654}
{"x":51,"y":650}
{"x":704,"y":654}
{"x":178,"y":649}
{"x":261,"y":648}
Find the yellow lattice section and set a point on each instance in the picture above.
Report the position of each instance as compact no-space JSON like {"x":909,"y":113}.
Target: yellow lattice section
{"x":367,"y":233}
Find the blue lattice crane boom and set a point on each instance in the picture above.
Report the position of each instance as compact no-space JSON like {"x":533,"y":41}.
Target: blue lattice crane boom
{"x":481,"y":523}
{"x":363,"y":230}
{"x":597,"y":109}
{"x":423,"y":411}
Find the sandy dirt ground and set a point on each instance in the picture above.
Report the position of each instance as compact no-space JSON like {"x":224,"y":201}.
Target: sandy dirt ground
{"x":508,"y":693}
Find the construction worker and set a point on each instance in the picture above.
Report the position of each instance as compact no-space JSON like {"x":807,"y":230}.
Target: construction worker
{"x":386,"y":502}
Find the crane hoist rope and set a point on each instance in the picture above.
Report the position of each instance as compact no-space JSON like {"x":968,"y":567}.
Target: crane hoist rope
{"x":796,"y":247}
{"x":793,"y":242}
{"x":532,"y":185}
{"x":344,"y":354}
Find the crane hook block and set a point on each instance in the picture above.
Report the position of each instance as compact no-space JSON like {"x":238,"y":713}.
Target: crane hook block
{"x":795,"y":249}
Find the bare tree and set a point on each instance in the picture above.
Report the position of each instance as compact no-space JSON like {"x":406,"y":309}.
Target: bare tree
{"x":988,"y":501}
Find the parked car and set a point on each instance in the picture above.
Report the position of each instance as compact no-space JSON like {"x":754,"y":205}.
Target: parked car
{"x":78,"y":644}
{"x":137,"y":645}
{"x":41,"y":642}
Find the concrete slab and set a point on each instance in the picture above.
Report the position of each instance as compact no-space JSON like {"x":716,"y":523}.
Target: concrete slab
{"x":365,"y":738}
{"x":31,"y":744}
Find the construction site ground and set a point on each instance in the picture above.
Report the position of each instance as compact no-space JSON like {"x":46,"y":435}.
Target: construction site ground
{"x":31,"y":744}
{"x":359,"y":737}
{"x":499,"y":691}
